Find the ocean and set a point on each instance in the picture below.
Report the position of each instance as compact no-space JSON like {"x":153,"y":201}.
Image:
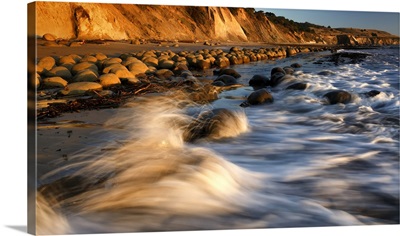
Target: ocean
{"x":296,"y":162}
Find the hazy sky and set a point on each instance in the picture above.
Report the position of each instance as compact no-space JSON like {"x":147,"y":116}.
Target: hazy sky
{"x":386,"y":21}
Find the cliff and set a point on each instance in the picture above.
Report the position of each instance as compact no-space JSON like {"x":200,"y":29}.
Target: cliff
{"x":89,"y":21}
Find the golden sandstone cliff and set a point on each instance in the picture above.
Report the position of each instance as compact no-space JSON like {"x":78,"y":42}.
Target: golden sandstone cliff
{"x":92,"y":21}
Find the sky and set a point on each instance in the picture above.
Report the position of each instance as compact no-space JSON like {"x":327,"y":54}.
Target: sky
{"x":386,"y":21}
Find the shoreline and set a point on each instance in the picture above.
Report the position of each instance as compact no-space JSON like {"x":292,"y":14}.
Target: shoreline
{"x":116,"y":48}
{"x":51,"y":103}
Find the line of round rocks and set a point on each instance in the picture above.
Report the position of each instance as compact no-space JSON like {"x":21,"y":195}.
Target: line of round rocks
{"x":75,"y":74}
{"x":280,"y":75}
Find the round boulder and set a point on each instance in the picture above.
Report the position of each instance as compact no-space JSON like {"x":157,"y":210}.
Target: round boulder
{"x":226,"y":79}
{"x":47,"y":63}
{"x":339,"y":96}
{"x":107,"y":80}
{"x":83,"y":66}
{"x":276,"y":78}
{"x":297,"y":86}
{"x":260,"y":96}
{"x":137,"y":68}
{"x":87,"y":75}
{"x":54,"y":82}
{"x":228,"y":71}
{"x":215,"y":124}
{"x":296,"y":65}
{"x":259,"y":81}
{"x":276,"y":70}
{"x":166,"y":64}
{"x":59,"y":71}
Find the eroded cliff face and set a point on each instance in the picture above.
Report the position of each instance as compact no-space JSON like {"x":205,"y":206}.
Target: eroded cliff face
{"x":183,"y":23}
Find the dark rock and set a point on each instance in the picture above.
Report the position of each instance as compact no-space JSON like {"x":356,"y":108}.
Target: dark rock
{"x":347,"y":57}
{"x":276,"y":70}
{"x":228,"y":71}
{"x":260,"y":96}
{"x":214,"y":124}
{"x":259,"y":81}
{"x":338,"y":96}
{"x":218,"y":83}
{"x":296,"y":65}
{"x":298,"y":86}
{"x":326,"y":73}
{"x":372,"y":93}
{"x":288,"y":70}
{"x":226,"y":79}
{"x":276,"y":78}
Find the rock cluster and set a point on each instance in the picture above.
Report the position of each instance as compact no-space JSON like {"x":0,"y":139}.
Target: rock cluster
{"x":62,"y":72}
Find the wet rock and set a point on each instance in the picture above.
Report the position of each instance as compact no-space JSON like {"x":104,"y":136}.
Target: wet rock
{"x":228,"y":71}
{"x":260,"y":96}
{"x":339,"y":96}
{"x":371,"y":93}
{"x":215,"y":124}
{"x":296,"y":65}
{"x":288,"y":70}
{"x":347,"y":57}
{"x":276,"y":78}
{"x":326,"y":73}
{"x":226,"y":79}
{"x":297,"y":86}
{"x":80,"y":88}
{"x":277,"y":70}
{"x":259,"y":81}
